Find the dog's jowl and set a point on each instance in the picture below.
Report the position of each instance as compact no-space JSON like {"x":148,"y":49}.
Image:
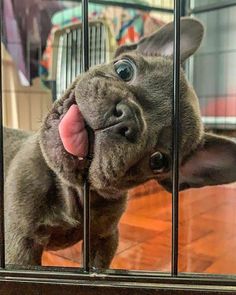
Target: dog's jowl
{"x":128,"y":105}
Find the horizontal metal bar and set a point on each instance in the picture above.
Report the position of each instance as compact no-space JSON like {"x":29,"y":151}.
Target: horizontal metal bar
{"x":212,"y":7}
{"x":47,"y":274}
{"x":74,"y":288}
{"x":129,"y":5}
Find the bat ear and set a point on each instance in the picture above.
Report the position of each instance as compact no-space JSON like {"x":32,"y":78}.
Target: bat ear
{"x":213,"y":163}
{"x":161,"y":42}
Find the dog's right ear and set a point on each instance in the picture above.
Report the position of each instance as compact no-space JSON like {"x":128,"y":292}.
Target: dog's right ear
{"x":212,"y":163}
{"x":161,"y":42}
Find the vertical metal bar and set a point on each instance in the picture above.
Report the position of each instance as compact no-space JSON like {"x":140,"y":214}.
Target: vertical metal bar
{"x":86,"y":240}
{"x":66,"y":53}
{"x":100,"y":44}
{"x":96,"y":49}
{"x":93,"y":45}
{"x":60,"y":73}
{"x":2,"y":236}
{"x":28,"y":53}
{"x":175,"y":139}
{"x":90,"y":45}
{"x":76,"y":51}
{"x":85,"y":35}
{"x":80,"y":51}
{"x":71,"y":57}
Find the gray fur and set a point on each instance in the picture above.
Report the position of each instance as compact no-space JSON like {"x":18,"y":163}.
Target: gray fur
{"x":43,"y":187}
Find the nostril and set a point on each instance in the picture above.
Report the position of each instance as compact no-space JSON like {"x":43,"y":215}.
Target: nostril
{"x":124,"y":131}
{"x":117,"y":112}
{"x":129,"y":132}
{"x":122,"y":110}
{"x":124,"y":122}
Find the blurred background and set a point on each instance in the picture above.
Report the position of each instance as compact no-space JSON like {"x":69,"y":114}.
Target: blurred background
{"x":41,"y":55}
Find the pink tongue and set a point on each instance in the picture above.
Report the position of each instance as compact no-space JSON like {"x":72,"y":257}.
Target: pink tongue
{"x":73,"y":133}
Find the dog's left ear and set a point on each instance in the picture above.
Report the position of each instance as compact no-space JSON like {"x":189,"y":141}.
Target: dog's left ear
{"x":161,"y":42}
{"x":214,"y":162}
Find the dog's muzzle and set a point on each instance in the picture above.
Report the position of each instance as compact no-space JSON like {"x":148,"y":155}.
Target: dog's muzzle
{"x":123,"y":122}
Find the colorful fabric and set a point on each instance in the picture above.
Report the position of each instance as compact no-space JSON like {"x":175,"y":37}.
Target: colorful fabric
{"x":127,"y":25}
{"x":26,"y":25}
{"x":132,"y":30}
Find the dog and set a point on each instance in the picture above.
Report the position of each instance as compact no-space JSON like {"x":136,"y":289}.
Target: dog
{"x":127,"y":106}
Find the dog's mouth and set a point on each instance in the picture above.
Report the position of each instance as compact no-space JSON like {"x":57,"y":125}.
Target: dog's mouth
{"x":76,"y":135}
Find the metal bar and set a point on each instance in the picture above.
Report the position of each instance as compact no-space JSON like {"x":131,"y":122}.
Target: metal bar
{"x":75,"y":288}
{"x":175,"y":139}
{"x":76,"y":51}
{"x":86,"y":241}
{"x":2,"y":236}
{"x":71,"y":57}
{"x":80,"y":52}
{"x":129,"y":5}
{"x":86,"y":237}
{"x":100,"y":43}
{"x":85,"y":35}
{"x":90,"y":45}
{"x":112,"y":277}
{"x":212,"y":7}
{"x":66,"y":53}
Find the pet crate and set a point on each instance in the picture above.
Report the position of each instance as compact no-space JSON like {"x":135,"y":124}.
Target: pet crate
{"x":42,"y":280}
{"x":67,"y":49}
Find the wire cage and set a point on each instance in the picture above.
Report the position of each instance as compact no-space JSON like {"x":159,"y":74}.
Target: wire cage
{"x":41,"y":280}
{"x":217,"y":55}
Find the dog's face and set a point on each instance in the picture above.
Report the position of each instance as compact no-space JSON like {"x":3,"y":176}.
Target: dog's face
{"x":131,"y":116}
{"x":128,"y":106}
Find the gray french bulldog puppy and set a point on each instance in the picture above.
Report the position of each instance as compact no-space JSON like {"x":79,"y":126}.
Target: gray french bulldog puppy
{"x":128,"y":105}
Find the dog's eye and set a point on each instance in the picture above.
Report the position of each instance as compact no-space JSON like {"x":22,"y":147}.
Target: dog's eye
{"x":125,"y":69}
{"x":159,"y":162}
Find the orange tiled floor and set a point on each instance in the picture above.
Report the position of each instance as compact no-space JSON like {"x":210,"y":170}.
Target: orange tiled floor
{"x":207,"y":232}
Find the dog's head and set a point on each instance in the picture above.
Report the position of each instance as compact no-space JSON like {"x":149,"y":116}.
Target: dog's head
{"x":128,"y":106}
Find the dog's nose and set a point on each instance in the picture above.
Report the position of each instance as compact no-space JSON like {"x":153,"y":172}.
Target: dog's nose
{"x":123,"y":111}
{"x":127,"y":127}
